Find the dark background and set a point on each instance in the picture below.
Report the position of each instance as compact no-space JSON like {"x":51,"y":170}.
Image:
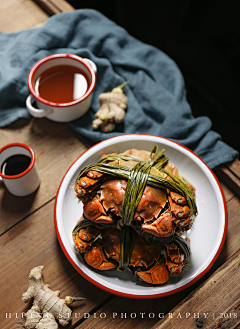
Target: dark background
{"x":203,"y":38}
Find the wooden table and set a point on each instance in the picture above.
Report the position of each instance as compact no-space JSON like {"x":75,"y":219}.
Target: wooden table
{"x":28,"y":236}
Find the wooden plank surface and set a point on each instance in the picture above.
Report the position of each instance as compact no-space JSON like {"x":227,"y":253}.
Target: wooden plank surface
{"x":48,"y":140}
{"x":16,"y":15}
{"x":230,"y":174}
{"x":206,"y":307}
{"x":32,"y":243}
{"x":234,"y":167}
{"x":53,"y":7}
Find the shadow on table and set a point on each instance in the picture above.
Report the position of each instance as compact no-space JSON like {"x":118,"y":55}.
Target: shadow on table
{"x":11,"y":204}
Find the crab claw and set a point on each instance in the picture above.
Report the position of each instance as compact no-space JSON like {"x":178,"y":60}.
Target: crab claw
{"x":164,"y":226}
{"x":94,"y":211}
{"x":88,"y":183}
{"x":177,"y":198}
{"x":85,"y":237}
{"x":178,"y":210}
{"x":158,"y":274}
{"x":94,"y":174}
{"x":95,"y":257}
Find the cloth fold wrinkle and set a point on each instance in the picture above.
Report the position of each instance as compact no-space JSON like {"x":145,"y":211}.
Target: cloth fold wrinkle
{"x":157,"y":103}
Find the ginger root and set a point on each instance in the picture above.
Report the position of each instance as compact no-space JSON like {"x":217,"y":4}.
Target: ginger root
{"x":45,"y":302}
{"x":112,"y":109}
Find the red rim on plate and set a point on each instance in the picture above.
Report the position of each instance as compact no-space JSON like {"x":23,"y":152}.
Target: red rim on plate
{"x":134,"y":296}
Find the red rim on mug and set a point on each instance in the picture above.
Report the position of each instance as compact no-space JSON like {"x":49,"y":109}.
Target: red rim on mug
{"x":30,"y":150}
{"x":52,"y":57}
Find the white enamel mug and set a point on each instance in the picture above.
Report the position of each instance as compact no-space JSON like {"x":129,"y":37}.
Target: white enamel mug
{"x":25,"y":182}
{"x":60,"y":112}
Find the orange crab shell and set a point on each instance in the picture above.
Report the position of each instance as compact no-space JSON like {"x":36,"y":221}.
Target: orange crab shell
{"x":152,"y":202}
{"x":95,"y":257}
{"x":103,"y":196}
{"x":156,"y":275}
{"x":152,"y":263}
{"x":144,"y":254}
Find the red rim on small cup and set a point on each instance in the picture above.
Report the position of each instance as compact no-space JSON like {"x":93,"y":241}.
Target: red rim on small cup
{"x":28,"y":168}
{"x":129,"y":295}
{"x":53,"y":57}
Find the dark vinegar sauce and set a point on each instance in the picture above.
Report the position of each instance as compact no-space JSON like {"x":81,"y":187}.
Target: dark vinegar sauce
{"x":15,"y":164}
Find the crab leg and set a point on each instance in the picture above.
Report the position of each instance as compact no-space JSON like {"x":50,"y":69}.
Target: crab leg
{"x":88,"y":183}
{"x":163,"y":226}
{"x":177,"y":198}
{"x":95,"y":257}
{"x":94,"y":211}
{"x":158,"y":274}
{"x":177,"y":255}
{"x":85,"y":237}
{"x":178,"y":210}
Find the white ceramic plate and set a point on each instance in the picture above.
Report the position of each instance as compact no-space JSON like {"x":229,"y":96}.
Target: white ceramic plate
{"x":207,"y":236}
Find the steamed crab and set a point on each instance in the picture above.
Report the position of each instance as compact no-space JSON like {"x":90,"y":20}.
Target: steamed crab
{"x":162,"y":212}
{"x":151,"y":263}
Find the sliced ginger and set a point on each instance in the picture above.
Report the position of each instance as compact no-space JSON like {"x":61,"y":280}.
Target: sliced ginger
{"x":112,"y":109}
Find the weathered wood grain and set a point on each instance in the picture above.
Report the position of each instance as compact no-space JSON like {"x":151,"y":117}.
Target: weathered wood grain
{"x":230,"y":175}
{"x":31,"y":243}
{"x":215,"y":304}
{"x":232,"y":243}
{"x":16,"y":15}
{"x":53,"y":7}
{"x":120,"y":312}
{"x":235,"y":168}
{"x":56,"y":147}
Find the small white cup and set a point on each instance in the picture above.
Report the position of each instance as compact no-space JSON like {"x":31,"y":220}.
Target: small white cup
{"x":60,"y":112}
{"x":27,"y":181}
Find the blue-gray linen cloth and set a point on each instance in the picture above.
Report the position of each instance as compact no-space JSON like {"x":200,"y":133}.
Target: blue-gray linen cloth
{"x":156,"y":93}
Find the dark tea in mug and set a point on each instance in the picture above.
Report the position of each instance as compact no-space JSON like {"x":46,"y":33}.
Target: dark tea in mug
{"x":15,"y":164}
{"x":62,"y":84}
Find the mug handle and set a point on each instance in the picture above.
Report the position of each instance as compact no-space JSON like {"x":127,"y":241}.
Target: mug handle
{"x":93,"y":65}
{"x":35,"y":112}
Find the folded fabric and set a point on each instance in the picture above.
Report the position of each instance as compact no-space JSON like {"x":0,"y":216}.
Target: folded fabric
{"x":156,"y":93}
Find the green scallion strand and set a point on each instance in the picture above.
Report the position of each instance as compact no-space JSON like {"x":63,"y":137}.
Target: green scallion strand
{"x":127,"y":236}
